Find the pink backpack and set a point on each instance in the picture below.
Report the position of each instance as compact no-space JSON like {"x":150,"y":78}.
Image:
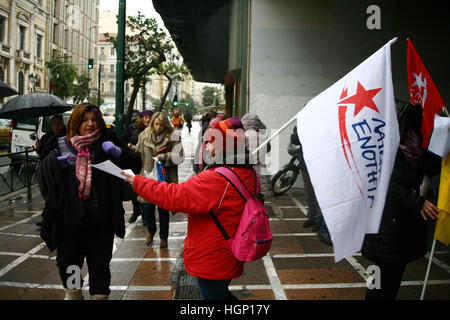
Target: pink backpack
{"x":253,"y":237}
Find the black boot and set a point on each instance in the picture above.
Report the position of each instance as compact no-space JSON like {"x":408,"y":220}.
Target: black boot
{"x":134,"y":217}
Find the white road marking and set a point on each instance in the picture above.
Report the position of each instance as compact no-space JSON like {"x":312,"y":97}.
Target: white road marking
{"x":306,"y":234}
{"x":38,"y":213}
{"x":275,"y":283}
{"x":21,"y":259}
{"x":298,"y":204}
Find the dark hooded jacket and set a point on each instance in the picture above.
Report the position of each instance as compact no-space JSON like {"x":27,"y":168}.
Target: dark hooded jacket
{"x":59,"y":188}
{"x":402,"y":236}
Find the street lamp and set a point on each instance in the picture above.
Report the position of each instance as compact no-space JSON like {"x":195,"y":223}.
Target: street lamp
{"x":34,"y":80}
{"x":214,"y":102}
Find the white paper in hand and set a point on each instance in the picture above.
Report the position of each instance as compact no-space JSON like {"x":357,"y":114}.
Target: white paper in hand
{"x":111,"y":168}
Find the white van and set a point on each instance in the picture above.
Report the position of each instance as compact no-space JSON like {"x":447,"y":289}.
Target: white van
{"x":25,"y":132}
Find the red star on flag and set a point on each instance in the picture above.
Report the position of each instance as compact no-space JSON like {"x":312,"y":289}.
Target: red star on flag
{"x":362,"y":98}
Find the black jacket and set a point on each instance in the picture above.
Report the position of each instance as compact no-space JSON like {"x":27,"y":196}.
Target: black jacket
{"x":131,"y":134}
{"x":59,"y":188}
{"x":402,"y":235}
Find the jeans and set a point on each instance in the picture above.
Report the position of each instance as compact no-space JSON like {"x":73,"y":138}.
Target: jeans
{"x":148,"y":212}
{"x":215,"y":289}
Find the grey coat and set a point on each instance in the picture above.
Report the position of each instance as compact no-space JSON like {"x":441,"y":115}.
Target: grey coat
{"x":255,"y":135}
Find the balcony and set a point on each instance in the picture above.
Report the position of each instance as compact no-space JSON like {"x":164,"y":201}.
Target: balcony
{"x":5,"y":49}
{"x":39,"y":61}
{"x":23,"y":56}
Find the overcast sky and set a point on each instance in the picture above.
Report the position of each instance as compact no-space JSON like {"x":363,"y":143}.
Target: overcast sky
{"x":132,"y":8}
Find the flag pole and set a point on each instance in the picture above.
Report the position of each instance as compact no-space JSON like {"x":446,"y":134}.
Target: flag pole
{"x":428,"y":269}
{"x":274,"y":135}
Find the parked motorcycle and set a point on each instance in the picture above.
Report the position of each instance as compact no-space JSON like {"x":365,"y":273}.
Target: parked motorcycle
{"x":284,"y":179}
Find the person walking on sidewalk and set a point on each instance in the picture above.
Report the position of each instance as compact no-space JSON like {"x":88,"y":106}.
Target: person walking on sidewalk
{"x":83,"y":204}
{"x":314,"y":214}
{"x":188,"y":118}
{"x":255,"y":135}
{"x":402,"y":237}
{"x":131,"y":137}
{"x":207,"y":255}
{"x":57,"y":130}
{"x":177,"y":119}
{"x":159,"y":140}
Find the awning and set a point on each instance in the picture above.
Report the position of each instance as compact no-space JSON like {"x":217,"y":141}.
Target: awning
{"x":200,"y":29}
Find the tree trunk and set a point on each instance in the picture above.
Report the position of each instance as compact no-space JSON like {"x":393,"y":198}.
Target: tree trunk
{"x":131,"y":103}
{"x":164,"y":97}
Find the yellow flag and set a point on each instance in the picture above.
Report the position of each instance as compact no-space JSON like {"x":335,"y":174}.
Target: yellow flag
{"x":442,"y":231}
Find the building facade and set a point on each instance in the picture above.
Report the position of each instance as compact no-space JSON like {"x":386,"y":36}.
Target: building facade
{"x":31,"y":31}
{"x":155,"y":85}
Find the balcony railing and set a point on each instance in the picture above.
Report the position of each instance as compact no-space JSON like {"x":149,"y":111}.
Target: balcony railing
{"x":6,"y":48}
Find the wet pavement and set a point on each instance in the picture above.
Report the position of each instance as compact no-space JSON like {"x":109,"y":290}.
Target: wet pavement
{"x":298,"y":267}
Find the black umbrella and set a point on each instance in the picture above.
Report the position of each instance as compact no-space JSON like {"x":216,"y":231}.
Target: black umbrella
{"x":6,"y":91}
{"x":33,"y":105}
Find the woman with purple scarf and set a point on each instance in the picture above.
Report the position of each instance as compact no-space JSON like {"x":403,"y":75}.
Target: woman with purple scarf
{"x":83,"y":204}
{"x":402,"y":237}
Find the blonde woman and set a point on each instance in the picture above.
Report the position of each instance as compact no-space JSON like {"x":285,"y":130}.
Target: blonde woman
{"x":159,"y":140}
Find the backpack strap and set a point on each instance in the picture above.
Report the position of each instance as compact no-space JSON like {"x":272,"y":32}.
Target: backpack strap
{"x":237,"y":183}
{"x":219,"y":225}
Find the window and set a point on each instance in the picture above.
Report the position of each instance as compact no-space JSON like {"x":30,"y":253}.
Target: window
{"x":22,"y":31}
{"x":2,"y":74}
{"x":28,"y":123}
{"x":113,"y":52}
{"x":55,"y":33}
{"x":111,"y":69}
{"x":2,"y":28}
{"x":20,"y":82}
{"x":111,"y":87}
{"x":39,"y":46}
{"x":102,"y":50}
{"x":102,"y":87}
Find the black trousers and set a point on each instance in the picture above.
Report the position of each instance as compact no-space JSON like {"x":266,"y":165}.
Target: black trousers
{"x":136,"y":206}
{"x":95,"y":243}
{"x":391,"y":278}
{"x":148,"y":211}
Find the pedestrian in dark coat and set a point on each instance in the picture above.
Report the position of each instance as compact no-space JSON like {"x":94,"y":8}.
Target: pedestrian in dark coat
{"x":83,"y":204}
{"x":402,"y":236}
{"x":131,"y":137}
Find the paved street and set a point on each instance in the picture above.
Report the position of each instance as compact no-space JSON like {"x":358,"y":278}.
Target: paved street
{"x":299,"y":266}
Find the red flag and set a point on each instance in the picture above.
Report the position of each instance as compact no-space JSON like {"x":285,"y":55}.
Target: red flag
{"x":422,"y":90}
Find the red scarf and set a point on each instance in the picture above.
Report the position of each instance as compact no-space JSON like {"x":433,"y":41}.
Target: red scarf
{"x":83,"y":168}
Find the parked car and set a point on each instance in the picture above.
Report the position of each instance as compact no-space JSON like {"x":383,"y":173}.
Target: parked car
{"x":109,"y":121}
{"x":5,"y":126}
{"x":25,"y":131}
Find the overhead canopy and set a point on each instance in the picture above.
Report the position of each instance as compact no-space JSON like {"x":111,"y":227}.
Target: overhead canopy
{"x":200,"y":30}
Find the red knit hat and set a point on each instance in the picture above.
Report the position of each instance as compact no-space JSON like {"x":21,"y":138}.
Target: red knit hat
{"x":231,"y":127}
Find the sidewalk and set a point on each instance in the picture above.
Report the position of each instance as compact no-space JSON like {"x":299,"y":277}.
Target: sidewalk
{"x":298,"y":267}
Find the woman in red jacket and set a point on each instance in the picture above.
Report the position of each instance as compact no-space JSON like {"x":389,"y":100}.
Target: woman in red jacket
{"x":207,"y":255}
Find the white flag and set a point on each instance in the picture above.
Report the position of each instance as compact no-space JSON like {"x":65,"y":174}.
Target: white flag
{"x":350,"y":137}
